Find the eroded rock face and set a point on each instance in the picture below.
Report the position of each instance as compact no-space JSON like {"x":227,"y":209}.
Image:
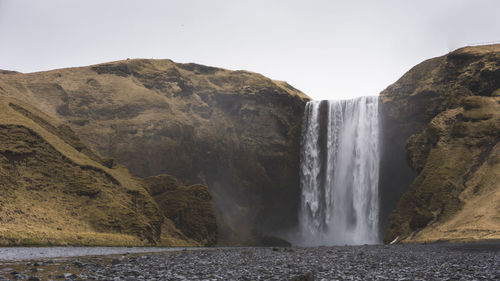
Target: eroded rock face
{"x":447,"y":110}
{"x":236,"y":132}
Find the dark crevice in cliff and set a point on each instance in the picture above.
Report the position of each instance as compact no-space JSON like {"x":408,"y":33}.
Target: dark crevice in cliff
{"x":396,"y":175}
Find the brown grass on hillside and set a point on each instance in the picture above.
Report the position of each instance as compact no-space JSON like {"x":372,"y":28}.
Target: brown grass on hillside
{"x":53,"y":194}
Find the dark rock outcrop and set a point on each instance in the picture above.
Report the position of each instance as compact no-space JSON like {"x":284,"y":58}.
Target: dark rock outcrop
{"x":190,"y":208}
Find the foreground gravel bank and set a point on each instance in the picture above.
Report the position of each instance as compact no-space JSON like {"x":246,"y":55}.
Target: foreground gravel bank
{"x":32,"y":253}
{"x":396,"y":262}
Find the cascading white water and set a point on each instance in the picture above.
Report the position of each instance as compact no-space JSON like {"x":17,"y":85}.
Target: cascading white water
{"x":339,"y":173}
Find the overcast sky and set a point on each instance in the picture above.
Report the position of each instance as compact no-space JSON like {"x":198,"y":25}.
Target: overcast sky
{"x":328,"y":49}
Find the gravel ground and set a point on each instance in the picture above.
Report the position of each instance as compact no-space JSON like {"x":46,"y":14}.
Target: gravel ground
{"x":382,"y":262}
{"x":31,"y":253}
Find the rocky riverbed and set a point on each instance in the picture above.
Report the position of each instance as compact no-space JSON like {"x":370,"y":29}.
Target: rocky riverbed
{"x":381,"y":262}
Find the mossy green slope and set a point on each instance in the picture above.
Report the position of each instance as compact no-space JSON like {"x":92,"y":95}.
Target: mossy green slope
{"x":451,"y":108}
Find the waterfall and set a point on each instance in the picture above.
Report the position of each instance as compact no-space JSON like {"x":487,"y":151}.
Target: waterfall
{"x":339,"y":173}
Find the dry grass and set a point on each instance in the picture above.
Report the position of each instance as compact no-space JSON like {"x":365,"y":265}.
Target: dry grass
{"x":234,"y":131}
{"x":461,"y":175}
{"x":450,"y":108}
{"x":479,"y":218}
{"x":53,"y":194}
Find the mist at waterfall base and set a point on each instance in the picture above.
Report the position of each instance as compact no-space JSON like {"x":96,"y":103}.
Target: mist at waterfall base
{"x":339,"y":173}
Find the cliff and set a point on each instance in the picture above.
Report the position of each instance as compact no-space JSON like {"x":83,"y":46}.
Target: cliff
{"x":447,"y":111}
{"x":54,"y":190}
{"x":236,"y":132}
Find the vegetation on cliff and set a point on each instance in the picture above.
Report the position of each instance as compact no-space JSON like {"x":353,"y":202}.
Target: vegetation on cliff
{"x":450,"y":108}
{"x":189,"y":207}
{"x":54,"y":190}
{"x":236,"y":132}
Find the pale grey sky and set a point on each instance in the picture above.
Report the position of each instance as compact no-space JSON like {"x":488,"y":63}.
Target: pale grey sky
{"x":328,"y":49}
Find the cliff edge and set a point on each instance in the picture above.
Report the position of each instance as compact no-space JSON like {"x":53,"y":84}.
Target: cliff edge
{"x":236,"y":132}
{"x":447,"y":110}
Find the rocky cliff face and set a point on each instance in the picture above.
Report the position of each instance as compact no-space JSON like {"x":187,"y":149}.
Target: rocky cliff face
{"x":447,"y":109}
{"x":189,"y":207}
{"x":235,"y":131}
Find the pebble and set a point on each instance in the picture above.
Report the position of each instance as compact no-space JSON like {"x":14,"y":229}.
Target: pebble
{"x":376,"y":262}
